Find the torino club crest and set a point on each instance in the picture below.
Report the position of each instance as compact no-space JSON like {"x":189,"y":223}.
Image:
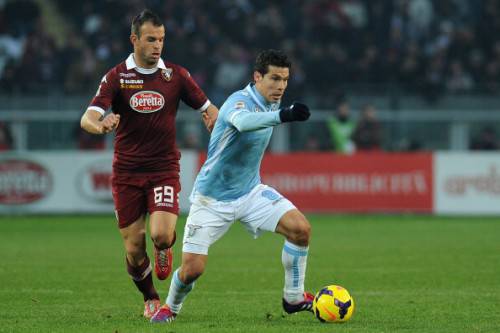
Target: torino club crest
{"x":166,"y":74}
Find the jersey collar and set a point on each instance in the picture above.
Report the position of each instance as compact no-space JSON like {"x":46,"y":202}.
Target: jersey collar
{"x":260,"y":100}
{"x":131,"y":64}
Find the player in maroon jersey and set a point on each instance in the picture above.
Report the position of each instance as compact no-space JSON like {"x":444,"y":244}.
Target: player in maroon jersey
{"x":144,"y":93}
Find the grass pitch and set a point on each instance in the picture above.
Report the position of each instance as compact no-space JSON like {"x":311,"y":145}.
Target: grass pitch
{"x":406,"y":273}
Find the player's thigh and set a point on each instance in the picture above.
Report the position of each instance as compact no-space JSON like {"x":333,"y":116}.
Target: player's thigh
{"x":129,"y":199}
{"x":162,"y":193}
{"x":263,"y":209}
{"x":204,"y":226}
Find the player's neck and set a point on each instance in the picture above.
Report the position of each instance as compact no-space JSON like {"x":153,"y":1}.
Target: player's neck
{"x":142,"y":64}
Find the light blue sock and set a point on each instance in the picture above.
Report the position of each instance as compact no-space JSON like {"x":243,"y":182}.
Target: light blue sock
{"x":177,"y":293}
{"x":294,"y":259}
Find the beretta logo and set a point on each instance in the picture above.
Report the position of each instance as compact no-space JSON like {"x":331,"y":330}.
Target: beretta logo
{"x":94,"y":181}
{"x":23,"y":182}
{"x":147,"y":101}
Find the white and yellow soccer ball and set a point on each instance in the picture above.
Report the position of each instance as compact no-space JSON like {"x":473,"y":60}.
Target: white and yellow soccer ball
{"x":333,"y":304}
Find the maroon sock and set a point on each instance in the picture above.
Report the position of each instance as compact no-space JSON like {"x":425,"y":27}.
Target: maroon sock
{"x":143,"y":279}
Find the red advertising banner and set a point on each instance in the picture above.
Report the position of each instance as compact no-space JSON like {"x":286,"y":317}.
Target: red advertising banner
{"x":372,"y":182}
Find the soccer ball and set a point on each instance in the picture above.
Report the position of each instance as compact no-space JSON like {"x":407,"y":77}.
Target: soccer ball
{"x":333,"y":304}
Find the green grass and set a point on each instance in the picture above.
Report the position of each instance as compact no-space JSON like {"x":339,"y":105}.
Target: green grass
{"x":406,"y":273}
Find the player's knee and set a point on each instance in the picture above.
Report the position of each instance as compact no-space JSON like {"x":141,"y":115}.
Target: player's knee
{"x":163,"y":241}
{"x":301,"y":233}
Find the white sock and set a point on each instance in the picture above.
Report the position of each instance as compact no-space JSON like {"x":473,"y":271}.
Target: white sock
{"x":177,"y":293}
{"x":294,"y":259}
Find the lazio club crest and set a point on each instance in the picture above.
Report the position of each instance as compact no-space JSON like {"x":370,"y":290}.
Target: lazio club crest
{"x":167,"y":74}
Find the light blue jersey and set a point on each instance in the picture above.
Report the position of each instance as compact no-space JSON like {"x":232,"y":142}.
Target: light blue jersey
{"x":237,"y":144}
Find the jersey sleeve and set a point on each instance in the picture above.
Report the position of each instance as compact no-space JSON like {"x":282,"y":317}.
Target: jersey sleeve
{"x":238,"y":114}
{"x":105,"y":93}
{"x":191,"y":93}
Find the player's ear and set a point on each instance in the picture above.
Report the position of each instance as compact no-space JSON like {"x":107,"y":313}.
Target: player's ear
{"x":133,"y":38}
{"x":257,"y":76}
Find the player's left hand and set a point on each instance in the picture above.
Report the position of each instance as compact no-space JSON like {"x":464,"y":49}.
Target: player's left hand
{"x":295,"y":112}
{"x":109,"y":123}
{"x":209,"y":117}
{"x":209,"y":124}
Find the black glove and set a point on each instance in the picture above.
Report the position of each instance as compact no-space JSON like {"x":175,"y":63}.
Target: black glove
{"x":295,"y":112}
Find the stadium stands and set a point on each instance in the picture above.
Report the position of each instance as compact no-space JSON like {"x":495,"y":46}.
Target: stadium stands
{"x":426,"y":47}
{"x":398,"y":55}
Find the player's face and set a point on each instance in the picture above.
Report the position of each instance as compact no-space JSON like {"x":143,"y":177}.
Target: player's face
{"x":147,"y":47}
{"x":272,"y":85}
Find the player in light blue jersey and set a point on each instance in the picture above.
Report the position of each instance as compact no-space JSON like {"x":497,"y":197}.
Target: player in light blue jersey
{"x":228,"y":187}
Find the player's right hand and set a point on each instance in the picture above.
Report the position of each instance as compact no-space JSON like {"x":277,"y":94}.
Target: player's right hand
{"x":209,"y":122}
{"x":295,"y":112}
{"x":109,"y":123}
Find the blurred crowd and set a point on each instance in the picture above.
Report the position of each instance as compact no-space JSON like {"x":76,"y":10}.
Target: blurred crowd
{"x":426,"y":47}
{"x":423,"y":47}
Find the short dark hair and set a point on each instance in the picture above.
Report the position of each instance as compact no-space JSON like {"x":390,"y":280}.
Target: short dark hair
{"x":271,"y":57}
{"x":145,"y":16}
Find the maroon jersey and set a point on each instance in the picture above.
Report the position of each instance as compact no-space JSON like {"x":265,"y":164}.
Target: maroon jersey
{"x":147,"y":101}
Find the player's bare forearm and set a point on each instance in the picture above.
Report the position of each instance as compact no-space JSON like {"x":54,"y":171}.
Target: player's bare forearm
{"x":209,"y":117}
{"x":90,"y":122}
{"x":93,"y":122}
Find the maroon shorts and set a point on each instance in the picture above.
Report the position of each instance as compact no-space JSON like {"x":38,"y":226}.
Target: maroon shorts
{"x":141,"y":193}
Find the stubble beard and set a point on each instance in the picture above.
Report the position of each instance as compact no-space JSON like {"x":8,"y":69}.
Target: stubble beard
{"x":152,"y":62}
